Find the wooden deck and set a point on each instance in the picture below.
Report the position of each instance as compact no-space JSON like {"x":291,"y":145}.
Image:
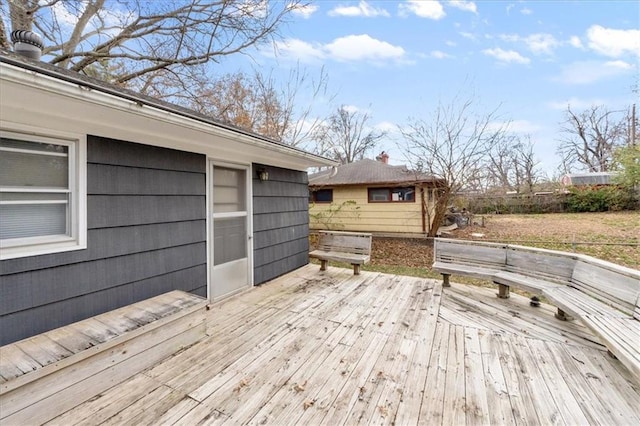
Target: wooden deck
{"x":333,"y":348}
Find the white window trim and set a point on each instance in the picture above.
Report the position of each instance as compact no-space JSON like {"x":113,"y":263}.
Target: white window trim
{"x":33,"y":246}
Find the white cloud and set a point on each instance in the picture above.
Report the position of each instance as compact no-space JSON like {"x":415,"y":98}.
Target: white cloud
{"x":106,"y":24}
{"x":587,"y":72}
{"x":576,"y":42}
{"x":363,"y":47}
{"x":438,"y":54}
{"x":575,"y":103}
{"x":303,"y":10}
{"x":298,"y":49}
{"x":451,"y":43}
{"x":523,"y":126}
{"x":386,"y":126}
{"x":506,"y":56}
{"x":467,"y":6}
{"x":614,"y":43}
{"x":468,"y":35}
{"x":422,"y":8}
{"x":509,"y":7}
{"x":526,"y":11}
{"x":541,"y":43}
{"x":350,"y":108}
{"x":362,"y":9}
{"x":65,"y":16}
{"x":258,"y":8}
{"x":536,"y":43}
{"x":360,"y":47}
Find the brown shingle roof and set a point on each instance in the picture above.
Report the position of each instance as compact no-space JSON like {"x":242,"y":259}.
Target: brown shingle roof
{"x":369,"y":172}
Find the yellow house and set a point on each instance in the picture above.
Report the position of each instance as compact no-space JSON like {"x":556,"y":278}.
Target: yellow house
{"x":372,"y":196}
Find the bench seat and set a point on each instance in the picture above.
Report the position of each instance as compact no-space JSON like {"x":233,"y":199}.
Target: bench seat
{"x":532,"y":285}
{"x":354,"y":259}
{"x":620,"y":335}
{"x":349,"y":247}
{"x":579,"y":304}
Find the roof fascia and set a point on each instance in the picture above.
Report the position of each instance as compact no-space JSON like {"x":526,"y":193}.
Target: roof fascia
{"x":48,"y":80}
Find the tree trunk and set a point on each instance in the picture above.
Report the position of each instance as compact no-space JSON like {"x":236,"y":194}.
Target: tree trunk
{"x":440,"y":211}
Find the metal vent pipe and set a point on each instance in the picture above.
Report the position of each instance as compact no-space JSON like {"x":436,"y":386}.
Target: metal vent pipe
{"x":27,"y":43}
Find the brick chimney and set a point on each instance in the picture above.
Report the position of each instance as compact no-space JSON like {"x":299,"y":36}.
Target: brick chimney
{"x":384,"y":157}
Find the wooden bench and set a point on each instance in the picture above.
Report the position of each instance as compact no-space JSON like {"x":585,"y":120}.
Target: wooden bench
{"x":473,"y":258}
{"x":603,"y":295}
{"x":348,"y":247}
{"x":43,"y":376}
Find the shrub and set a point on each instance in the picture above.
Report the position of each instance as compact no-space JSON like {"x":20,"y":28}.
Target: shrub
{"x":599,"y":199}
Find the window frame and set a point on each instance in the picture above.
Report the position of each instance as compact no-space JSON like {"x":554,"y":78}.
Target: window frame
{"x":314,"y":197}
{"x":76,"y":238}
{"x":390,"y":191}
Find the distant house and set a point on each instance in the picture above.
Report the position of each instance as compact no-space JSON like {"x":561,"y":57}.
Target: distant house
{"x":372,"y":196}
{"x":108,"y":197}
{"x":588,"y":179}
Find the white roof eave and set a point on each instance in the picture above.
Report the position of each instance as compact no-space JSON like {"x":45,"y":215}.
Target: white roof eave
{"x":191,"y":133}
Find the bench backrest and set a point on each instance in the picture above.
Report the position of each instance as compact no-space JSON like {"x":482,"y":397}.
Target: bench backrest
{"x":636,"y":311}
{"x":472,"y":253}
{"x":613,"y":284}
{"x":540,"y":263}
{"x":345,"y":242}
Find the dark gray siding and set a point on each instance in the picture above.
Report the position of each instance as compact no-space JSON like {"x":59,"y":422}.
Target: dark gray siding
{"x":146,"y":236}
{"x":280,"y":222}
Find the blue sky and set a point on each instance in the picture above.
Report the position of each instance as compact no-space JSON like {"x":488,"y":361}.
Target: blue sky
{"x":398,"y":59}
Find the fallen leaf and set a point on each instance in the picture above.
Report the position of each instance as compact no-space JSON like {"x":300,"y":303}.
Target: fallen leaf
{"x":243,"y":383}
{"x":299,"y":388}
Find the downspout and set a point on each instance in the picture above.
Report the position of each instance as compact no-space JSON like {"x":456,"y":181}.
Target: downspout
{"x":424,"y":211}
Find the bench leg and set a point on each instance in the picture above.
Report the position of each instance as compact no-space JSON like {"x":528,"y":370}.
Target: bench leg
{"x":356,"y":269}
{"x":503,"y":291}
{"x":323,"y":265}
{"x":445,"y":280}
{"x":563,"y":316}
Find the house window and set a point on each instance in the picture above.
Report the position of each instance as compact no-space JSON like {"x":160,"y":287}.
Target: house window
{"x":392,"y":195}
{"x":41,"y":208}
{"x":322,"y":196}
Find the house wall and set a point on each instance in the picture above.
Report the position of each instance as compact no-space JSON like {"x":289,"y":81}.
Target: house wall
{"x":363,"y":216}
{"x":280,"y":222}
{"x":146,"y":236}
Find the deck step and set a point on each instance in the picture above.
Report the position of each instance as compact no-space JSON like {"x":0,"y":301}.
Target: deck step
{"x":43,"y":376}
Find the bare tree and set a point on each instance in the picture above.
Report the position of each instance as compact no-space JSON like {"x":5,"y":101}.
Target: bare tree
{"x":257,"y":102}
{"x":4,"y":41}
{"x":591,"y":138}
{"x":345,"y":135}
{"x":452,"y":144}
{"x":511,"y":164}
{"x":500,"y":165}
{"x":133,"y":41}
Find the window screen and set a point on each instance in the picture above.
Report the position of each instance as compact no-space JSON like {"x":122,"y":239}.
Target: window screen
{"x":35,"y":192}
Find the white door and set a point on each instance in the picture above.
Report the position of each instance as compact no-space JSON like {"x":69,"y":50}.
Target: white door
{"x":230,"y":230}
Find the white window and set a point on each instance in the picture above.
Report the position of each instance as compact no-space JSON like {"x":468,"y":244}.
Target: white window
{"x":42,"y":208}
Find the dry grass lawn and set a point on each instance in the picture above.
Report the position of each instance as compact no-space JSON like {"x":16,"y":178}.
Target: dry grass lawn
{"x":589,"y":233}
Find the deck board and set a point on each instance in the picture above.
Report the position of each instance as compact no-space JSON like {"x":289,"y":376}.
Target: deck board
{"x":333,"y":348}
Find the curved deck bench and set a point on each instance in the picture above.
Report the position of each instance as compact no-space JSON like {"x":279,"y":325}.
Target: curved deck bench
{"x":603,"y":295}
